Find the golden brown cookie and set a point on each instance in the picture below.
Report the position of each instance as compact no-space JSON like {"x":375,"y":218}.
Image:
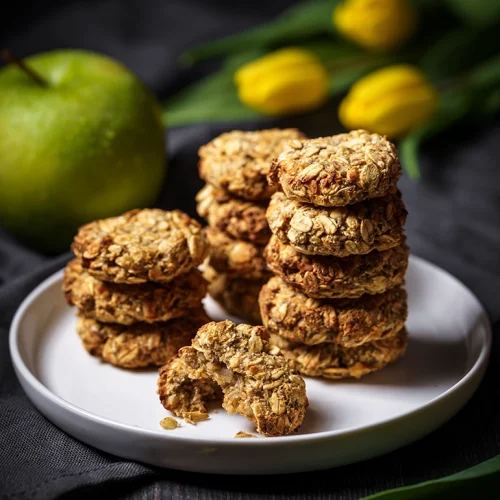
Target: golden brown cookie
{"x":336,"y":362}
{"x":347,"y":322}
{"x":183,"y":396}
{"x":339,"y":170}
{"x":126,"y":304}
{"x":238,"y":296}
{"x":322,"y":276}
{"x":139,"y":345}
{"x":141,"y":245}
{"x":256,"y":380}
{"x":235,"y":257}
{"x":240,"y":219}
{"x":376,"y":224}
{"x":239,"y":161}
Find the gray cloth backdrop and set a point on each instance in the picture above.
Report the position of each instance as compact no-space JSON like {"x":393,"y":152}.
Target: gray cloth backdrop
{"x":454,"y":221}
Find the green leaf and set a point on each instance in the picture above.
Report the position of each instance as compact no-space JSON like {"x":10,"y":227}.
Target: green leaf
{"x":212,"y":99}
{"x":479,"y":12}
{"x":215,"y":98}
{"x":481,"y":481}
{"x":486,"y":74}
{"x":459,"y":50}
{"x":332,"y":52}
{"x":408,"y":150}
{"x":485,"y":83}
{"x":491,"y":103}
{"x":302,"y":21}
{"x":346,"y":63}
{"x":453,"y":106}
{"x":476,"y":93}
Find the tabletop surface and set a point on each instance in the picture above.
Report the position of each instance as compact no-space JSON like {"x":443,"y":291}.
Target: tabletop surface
{"x":454,"y":221}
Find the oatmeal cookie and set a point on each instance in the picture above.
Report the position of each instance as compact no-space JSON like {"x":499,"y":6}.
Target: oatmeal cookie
{"x":256,"y":380}
{"x":238,"y":296}
{"x":183,"y":396}
{"x":239,"y":161}
{"x":235,"y":257}
{"x":139,"y":345}
{"x":347,"y":322}
{"x":141,"y":245}
{"x":240,"y":219}
{"x":126,"y":304}
{"x":339,"y":170}
{"x":337,"y":362}
{"x":322,"y":277}
{"x":376,"y":224}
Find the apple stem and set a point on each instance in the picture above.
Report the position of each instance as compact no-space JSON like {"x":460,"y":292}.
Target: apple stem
{"x":10,"y":58}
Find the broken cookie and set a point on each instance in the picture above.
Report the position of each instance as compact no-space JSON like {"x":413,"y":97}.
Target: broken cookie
{"x":256,"y":380}
{"x":184,"y":396}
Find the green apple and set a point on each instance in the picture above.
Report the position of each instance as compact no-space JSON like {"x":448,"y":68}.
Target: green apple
{"x":87,"y":145}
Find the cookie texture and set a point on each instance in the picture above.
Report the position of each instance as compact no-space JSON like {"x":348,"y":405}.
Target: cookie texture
{"x":347,"y":322}
{"x":235,"y":257}
{"x":109,"y":302}
{"x":240,"y":219}
{"x":339,"y":170}
{"x":141,"y":245}
{"x":255,"y":379}
{"x":376,"y":224}
{"x":237,"y":296}
{"x":333,"y":361}
{"x":184,"y":396}
{"x":239,"y":161}
{"x":139,"y":345}
{"x":323,"y":277}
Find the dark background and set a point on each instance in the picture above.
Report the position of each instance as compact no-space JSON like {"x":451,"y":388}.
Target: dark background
{"x":454,"y":221}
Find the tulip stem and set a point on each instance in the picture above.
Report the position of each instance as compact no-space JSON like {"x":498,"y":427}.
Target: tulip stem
{"x":347,"y":63}
{"x":368,"y":61}
{"x":10,"y":58}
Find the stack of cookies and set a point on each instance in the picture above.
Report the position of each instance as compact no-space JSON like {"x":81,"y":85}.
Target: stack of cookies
{"x":136,"y":286}
{"x":336,"y":305}
{"x":233,"y":202}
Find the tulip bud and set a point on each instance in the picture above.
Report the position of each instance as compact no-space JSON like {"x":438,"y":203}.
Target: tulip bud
{"x":376,"y":24}
{"x":283,"y":82}
{"x":390,"y":101}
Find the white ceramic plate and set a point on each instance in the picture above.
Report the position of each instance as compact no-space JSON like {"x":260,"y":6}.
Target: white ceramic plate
{"x":119,"y":412}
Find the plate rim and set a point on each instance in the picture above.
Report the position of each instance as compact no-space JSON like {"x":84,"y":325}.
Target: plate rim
{"x":23,"y":372}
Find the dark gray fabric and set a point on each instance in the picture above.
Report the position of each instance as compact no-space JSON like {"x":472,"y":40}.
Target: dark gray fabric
{"x":454,"y":221}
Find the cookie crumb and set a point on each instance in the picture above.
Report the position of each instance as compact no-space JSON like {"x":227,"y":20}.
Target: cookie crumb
{"x":242,"y":434}
{"x":169,"y":423}
{"x":195,"y":416}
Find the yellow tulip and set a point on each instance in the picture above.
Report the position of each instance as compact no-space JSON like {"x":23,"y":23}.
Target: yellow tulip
{"x":283,"y":82}
{"x":390,"y":101}
{"x":376,"y":24}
